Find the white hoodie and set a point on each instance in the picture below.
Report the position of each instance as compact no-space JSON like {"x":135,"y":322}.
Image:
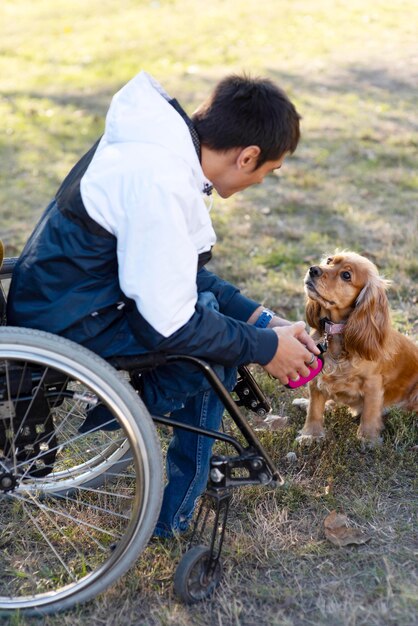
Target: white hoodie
{"x":144,"y":185}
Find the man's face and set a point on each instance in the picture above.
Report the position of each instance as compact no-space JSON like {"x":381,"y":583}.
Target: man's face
{"x":241,"y":174}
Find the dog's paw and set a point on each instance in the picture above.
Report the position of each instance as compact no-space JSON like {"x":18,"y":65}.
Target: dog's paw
{"x":370,"y":444}
{"x":369,"y":439}
{"x":330,"y":405}
{"x":308,"y":438}
{"x":303,"y":403}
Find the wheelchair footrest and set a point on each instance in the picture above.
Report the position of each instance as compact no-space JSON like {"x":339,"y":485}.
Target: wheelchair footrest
{"x":246,"y":469}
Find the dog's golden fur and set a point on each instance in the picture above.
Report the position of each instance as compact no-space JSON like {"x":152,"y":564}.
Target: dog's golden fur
{"x":369,"y":366}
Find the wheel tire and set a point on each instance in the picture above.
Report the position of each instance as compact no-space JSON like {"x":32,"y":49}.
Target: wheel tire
{"x":192,"y":583}
{"x":63,"y":541}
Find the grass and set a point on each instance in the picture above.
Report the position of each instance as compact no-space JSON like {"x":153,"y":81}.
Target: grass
{"x":351,"y":184}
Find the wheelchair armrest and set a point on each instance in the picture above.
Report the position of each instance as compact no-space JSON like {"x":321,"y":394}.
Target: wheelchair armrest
{"x":138,"y":362}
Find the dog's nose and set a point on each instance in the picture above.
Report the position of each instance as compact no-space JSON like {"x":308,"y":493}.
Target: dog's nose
{"x":315,"y":271}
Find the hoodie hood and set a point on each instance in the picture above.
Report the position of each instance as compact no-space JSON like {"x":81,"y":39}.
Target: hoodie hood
{"x":141,"y":112}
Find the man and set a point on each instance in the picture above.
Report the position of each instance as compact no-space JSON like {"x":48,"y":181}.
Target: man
{"x":116,"y":263}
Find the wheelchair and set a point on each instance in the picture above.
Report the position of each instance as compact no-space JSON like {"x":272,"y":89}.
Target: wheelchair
{"x":78,"y":508}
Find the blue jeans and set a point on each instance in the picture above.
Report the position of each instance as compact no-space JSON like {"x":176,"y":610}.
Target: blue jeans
{"x":188,"y":455}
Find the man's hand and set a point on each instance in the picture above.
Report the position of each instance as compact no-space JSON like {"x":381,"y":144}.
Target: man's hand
{"x":294,"y":352}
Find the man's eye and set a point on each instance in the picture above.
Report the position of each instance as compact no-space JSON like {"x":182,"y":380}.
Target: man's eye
{"x":345,"y":275}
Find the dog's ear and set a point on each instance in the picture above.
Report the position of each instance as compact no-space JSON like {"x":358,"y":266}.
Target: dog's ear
{"x":368,"y":326}
{"x":312,"y":313}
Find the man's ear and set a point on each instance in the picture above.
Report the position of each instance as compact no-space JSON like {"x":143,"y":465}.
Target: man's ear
{"x":248,"y":157}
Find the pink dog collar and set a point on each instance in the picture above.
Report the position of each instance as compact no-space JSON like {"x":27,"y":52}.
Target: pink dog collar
{"x":334,"y":329}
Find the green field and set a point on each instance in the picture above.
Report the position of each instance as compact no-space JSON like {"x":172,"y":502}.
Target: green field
{"x":351,"y":68}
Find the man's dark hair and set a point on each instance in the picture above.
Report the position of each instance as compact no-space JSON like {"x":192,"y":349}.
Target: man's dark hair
{"x":244,"y":111}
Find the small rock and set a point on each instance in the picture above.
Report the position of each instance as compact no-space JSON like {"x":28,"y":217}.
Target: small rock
{"x":291,"y":457}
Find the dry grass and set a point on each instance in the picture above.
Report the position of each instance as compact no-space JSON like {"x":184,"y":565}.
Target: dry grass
{"x":351,"y":70}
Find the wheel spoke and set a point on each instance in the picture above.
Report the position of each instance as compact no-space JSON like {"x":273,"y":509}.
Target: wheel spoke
{"x":60,"y":513}
{"x":93,"y":507}
{"x":78,"y":437}
{"x":112,"y":494}
{"x":40,"y":530}
{"x":35,"y":523}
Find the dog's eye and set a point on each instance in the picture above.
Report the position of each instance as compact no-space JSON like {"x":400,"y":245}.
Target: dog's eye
{"x":346,"y":275}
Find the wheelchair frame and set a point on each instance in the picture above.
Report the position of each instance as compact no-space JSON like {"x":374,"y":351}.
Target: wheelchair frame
{"x":199,"y":571}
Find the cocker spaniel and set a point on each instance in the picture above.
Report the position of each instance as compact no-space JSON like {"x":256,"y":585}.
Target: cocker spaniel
{"x":368,"y":365}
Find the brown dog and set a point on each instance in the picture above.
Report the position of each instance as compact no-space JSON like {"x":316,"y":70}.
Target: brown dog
{"x":368,"y":365}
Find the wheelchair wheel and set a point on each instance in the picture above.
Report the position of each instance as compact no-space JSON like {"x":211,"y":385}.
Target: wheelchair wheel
{"x":63,"y":539}
{"x":195,"y":579}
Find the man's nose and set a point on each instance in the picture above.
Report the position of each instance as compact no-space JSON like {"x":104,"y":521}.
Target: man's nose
{"x":315,"y":271}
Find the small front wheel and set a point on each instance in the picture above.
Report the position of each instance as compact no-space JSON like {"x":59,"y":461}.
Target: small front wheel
{"x":196,"y":576}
